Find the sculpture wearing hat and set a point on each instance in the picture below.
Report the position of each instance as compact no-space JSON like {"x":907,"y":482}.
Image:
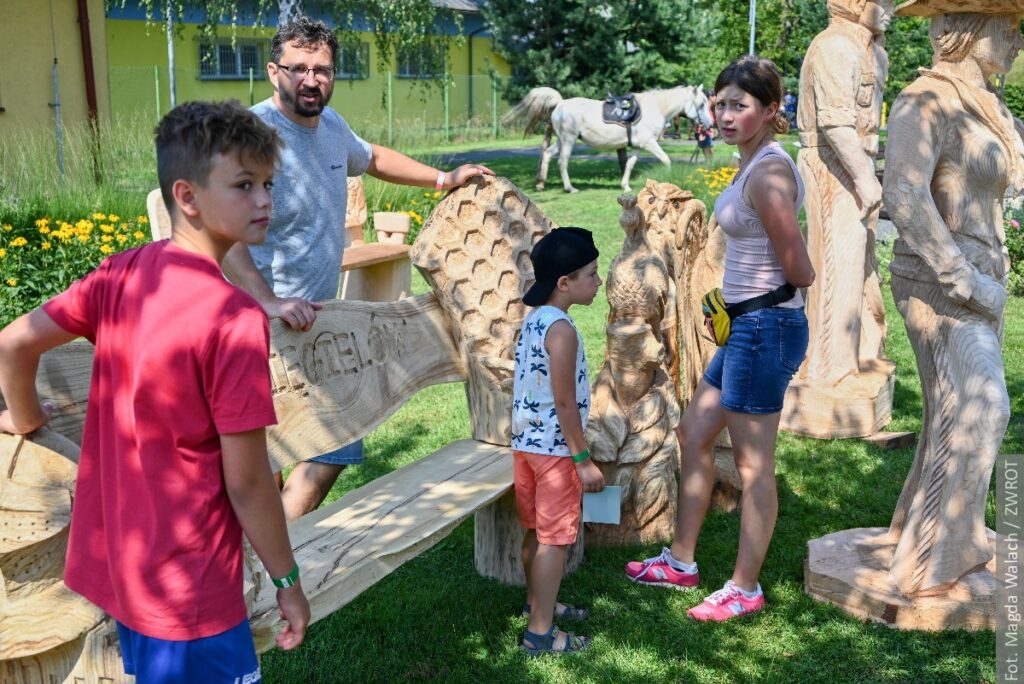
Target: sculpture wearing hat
{"x":954,"y":149}
{"x":844,"y":387}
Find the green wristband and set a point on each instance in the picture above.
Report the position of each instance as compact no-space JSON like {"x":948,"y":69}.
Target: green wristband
{"x":582,"y":456}
{"x":288,"y":580}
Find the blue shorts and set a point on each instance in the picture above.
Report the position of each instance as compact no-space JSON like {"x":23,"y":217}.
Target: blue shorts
{"x":351,"y":454}
{"x":764,"y":351}
{"x":228,"y":657}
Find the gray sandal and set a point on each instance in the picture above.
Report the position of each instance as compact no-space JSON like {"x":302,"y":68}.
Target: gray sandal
{"x":539,"y":644}
{"x":570,"y":613}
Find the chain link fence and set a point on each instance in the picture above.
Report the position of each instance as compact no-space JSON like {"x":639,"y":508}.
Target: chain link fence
{"x":383,"y":108}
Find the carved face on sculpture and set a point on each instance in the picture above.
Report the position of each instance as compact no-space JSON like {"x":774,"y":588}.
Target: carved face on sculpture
{"x":876,"y":16}
{"x":998,"y":45}
{"x":662,"y":202}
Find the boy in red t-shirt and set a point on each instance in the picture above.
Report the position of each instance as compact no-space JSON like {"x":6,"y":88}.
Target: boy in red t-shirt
{"x":174,"y":460}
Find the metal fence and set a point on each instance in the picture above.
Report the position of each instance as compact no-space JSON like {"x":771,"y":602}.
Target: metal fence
{"x":384,"y":107}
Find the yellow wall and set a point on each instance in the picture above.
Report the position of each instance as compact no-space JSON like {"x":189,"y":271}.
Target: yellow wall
{"x":26,"y":67}
{"x":134,"y":48}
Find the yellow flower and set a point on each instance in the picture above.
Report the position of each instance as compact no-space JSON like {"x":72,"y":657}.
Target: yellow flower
{"x":44,"y":246}
{"x":99,"y":217}
{"x":106,"y":238}
{"x":107,"y":228}
{"x":138,"y":235}
{"x":3,"y":253}
{"x":122,"y":238}
{"x":12,"y":281}
{"x":7,"y":228}
{"x":83,"y":238}
{"x":113,"y":218}
{"x":123,"y":226}
{"x":43,"y":222}
{"x":142,"y":219}
{"x":44,"y":230}
{"x":106,"y":249}
{"x":19,"y":242}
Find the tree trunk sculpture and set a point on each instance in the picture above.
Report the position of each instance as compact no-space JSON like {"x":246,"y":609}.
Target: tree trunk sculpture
{"x":954,"y":149}
{"x":636,"y":395}
{"x":844,"y":388}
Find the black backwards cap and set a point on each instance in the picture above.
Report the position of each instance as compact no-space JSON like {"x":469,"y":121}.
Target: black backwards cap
{"x":559,"y":253}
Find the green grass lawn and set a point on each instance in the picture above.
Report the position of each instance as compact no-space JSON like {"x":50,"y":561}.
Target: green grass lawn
{"x":435,"y":619}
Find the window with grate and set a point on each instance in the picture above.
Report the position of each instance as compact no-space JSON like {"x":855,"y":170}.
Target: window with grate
{"x":227,"y":59}
{"x":424,"y":61}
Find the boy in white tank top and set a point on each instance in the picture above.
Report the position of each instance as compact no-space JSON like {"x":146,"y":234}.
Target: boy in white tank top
{"x":551,"y":402}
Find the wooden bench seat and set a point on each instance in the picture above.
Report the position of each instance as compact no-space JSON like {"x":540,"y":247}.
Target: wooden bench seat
{"x":375,"y":272}
{"x":351,"y":544}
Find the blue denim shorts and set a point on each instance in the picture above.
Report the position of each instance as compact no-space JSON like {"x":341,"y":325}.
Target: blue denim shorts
{"x":764,"y":351}
{"x":350,"y":454}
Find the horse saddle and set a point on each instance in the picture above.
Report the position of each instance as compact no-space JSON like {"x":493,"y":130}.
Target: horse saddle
{"x":623,"y":110}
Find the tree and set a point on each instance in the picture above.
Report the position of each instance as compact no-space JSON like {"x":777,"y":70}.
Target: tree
{"x":587,"y":48}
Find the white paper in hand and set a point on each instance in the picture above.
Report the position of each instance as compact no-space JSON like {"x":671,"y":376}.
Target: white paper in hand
{"x":604,"y":506}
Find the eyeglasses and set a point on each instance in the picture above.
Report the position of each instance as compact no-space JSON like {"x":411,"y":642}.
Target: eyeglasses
{"x":300,"y":71}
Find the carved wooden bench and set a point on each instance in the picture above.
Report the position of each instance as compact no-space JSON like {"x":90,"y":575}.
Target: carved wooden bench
{"x":385,"y":272}
{"x":335,"y":383}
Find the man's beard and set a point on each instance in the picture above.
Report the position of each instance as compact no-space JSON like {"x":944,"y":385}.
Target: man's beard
{"x":292,"y":99}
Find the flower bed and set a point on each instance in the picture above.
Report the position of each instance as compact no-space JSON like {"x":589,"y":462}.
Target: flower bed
{"x":40,"y":261}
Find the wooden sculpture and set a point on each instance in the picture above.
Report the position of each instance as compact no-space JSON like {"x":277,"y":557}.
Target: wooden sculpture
{"x":634,"y":410}
{"x":355,"y":211}
{"x":332,"y":384}
{"x":845,"y":386}
{"x":953,"y":151}
{"x":694,"y":254}
{"x":653,"y":297}
{"x":694,"y":251}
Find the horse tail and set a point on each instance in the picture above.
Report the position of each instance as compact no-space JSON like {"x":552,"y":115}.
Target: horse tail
{"x":535,"y":107}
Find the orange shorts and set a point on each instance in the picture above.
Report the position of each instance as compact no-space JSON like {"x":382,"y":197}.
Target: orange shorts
{"x":548,"y":497}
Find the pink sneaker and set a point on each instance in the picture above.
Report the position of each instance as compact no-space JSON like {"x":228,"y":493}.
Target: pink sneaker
{"x":726,"y":604}
{"x":656,"y":572}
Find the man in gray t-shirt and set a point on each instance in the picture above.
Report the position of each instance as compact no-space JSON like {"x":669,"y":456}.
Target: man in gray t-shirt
{"x":299,"y":264}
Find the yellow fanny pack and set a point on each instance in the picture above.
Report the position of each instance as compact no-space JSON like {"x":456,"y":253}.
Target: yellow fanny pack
{"x":718,"y":315}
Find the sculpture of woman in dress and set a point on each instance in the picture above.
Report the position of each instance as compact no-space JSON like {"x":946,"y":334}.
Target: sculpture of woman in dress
{"x":953,"y":150}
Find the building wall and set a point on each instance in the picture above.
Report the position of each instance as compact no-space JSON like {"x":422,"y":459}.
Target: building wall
{"x":26,"y":70}
{"x":135,"y":47}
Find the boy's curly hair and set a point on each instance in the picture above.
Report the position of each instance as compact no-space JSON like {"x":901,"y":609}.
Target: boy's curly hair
{"x":304,"y":32}
{"x":191,"y":134}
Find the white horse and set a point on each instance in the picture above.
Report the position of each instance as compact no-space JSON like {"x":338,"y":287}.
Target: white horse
{"x":579,"y":117}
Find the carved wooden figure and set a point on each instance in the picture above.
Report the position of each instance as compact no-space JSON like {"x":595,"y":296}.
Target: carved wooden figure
{"x":635,"y":410}
{"x":953,"y":151}
{"x":844,"y":388}
{"x":652,"y":295}
{"x":694,"y":251}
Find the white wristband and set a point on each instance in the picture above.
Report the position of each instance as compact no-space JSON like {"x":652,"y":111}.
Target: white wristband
{"x":439,"y":185}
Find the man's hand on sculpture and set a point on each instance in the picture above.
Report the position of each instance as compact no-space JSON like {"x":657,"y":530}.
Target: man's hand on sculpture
{"x":296,"y":312}
{"x":459,"y":176}
{"x":869,"y":195}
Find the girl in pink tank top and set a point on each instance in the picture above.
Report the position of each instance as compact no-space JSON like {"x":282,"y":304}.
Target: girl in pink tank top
{"x":744,"y":385}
